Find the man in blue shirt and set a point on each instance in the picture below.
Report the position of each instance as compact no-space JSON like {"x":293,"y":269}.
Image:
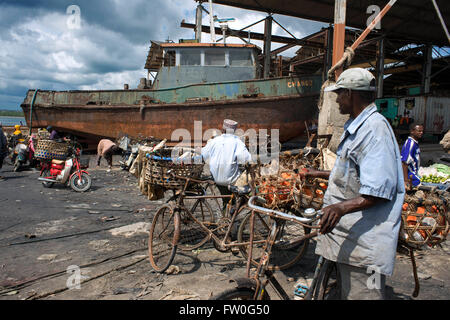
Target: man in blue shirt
{"x":411,"y":156}
{"x":362,"y":205}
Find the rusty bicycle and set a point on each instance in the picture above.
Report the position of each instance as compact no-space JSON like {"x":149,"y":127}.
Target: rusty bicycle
{"x":188,"y":227}
{"x":254,"y":288}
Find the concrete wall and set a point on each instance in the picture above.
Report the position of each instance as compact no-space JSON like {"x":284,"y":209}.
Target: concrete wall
{"x":331,"y":121}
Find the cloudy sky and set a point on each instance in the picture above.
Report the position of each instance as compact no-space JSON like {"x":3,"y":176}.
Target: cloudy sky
{"x":41,"y":46}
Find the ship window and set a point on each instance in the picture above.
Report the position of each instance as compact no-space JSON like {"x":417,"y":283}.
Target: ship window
{"x":190,"y":58}
{"x":215,"y":58}
{"x":169,"y":59}
{"x":240,"y":58}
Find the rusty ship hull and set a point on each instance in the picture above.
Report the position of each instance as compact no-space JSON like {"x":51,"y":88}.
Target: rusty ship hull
{"x":284,"y":104}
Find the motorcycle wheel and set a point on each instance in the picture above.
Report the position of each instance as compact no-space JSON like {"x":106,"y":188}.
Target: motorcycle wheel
{"x":46,"y":184}
{"x":81,"y":185}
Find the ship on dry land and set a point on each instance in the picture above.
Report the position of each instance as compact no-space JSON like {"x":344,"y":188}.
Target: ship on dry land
{"x":205,"y":82}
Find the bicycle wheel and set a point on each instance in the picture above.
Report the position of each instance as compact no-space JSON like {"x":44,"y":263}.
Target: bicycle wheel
{"x":327,"y":283}
{"x":162,"y":243}
{"x":238,"y":294}
{"x":192,"y":235}
{"x":287,"y":249}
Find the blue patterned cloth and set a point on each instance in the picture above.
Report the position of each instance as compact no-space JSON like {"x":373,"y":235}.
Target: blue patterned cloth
{"x":411,"y":157}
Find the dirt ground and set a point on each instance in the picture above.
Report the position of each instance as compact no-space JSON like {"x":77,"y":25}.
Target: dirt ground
{"x":47,"y":233}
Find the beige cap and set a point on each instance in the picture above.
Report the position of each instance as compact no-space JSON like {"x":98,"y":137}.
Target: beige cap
{"x":229,"y":124}
{"x":354,"y":79}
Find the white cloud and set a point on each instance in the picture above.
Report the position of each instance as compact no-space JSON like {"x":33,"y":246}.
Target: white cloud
{"x":38,"y":50}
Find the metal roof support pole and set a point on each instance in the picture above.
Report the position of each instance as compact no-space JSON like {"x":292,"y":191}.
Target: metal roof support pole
{"x":373,"y":24}
{"x":267,"y":45}
{"x":340,"y":9}
{"x":426,"y":74}
{"x":198,"y":23}
{"x":380,"y":67}
{"x":327,"y":61}
{"x":444,"y":26}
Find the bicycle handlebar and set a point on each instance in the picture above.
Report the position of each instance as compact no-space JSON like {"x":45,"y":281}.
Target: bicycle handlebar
{"x":279,"y":213}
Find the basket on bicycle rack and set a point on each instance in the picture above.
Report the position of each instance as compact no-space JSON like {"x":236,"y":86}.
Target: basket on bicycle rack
{"x":285,"y":188}
{"x":159,"y":165}
{"x":277,"y":190}
{"x":84,"y":162}
{"x":312,"y":192}
{"x":49,"y":149}
{"x":425,"y":218}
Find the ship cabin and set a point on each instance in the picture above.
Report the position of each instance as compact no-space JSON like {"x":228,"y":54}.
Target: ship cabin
{"x":181,"y":64}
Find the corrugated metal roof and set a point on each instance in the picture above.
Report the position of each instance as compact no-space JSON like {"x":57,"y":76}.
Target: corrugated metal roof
{"x":413,"y":19}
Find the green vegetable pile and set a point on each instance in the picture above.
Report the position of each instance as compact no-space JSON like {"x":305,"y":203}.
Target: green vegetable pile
{"x":442,"y":168}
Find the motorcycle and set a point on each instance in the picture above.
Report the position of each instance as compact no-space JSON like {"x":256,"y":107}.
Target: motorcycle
{"x":70,"y":172}
{"x":129,"y":152}
{"x":20,"y":156}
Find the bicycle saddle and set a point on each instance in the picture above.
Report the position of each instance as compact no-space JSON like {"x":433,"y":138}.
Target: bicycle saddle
{"x":240,"y":190}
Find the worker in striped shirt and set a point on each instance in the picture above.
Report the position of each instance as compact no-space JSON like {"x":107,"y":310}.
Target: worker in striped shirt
{"x":411,"y":156}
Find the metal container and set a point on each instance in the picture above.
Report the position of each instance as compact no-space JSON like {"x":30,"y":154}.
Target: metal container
{"x":432,"y":112}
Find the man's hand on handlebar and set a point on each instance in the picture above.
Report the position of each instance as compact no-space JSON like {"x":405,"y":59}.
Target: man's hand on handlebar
{"x":330,"y":218}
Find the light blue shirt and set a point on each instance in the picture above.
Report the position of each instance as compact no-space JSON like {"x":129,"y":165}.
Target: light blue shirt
{"x":224,"y":154}
{"x":368,"y":163}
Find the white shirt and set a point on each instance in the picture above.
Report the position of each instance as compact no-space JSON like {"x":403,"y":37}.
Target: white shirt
{"x":224,"y":154}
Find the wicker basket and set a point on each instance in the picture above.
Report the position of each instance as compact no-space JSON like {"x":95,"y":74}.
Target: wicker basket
{"x":313,"y":190}
{"x":156,"y":171}
{"x":43,"y":134}
{"x":425,"y":218}
{"x":286,"y":188}
{"x":278,"y":190}
{"x":49,"y":149}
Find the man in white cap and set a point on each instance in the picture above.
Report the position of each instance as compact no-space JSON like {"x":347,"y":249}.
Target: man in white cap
{"x":224,"y":154}
{"x":362,"y":205}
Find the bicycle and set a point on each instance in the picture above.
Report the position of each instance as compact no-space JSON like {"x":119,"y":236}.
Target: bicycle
{"x":254,"y":288}
{"x":176,"y":225}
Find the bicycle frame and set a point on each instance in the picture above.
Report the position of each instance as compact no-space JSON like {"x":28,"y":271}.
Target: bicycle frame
{"x":239,"y":204}
{"x":262,"y":268}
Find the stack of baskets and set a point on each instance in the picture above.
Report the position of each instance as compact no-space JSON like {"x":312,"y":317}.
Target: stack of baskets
{"x":425,"y":218}
{"x":49,"y":150}
{"x":158,"y":165}
{"x":286,"y":188}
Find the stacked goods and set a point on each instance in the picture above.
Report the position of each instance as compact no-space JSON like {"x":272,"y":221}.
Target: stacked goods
{"x":51,"y":150}
{"x":160,"y":163}
{"x":425,"y":218}
{"x":312,"y":193}
{"x":43,"y":134}
{"x":282,"y":186}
